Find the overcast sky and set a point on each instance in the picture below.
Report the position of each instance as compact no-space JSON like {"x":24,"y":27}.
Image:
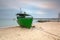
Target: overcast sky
{"x":37,"y":8}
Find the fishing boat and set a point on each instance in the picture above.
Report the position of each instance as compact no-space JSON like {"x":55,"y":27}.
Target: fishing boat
{"x":24,"y":20}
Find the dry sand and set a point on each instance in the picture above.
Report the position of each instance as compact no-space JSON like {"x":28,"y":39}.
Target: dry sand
{"x":42,"y":31}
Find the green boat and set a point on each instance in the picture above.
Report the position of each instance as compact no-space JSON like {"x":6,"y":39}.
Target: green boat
{"x":24,"y":20}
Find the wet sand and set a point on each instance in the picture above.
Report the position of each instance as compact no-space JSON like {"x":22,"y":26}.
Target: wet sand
{"x":42,"y":31}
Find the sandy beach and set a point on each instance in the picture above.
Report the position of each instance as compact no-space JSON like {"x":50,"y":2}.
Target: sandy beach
{"x":42,"y":31}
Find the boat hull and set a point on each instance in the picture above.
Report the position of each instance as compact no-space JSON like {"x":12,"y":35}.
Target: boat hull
{"x":25,"y":22}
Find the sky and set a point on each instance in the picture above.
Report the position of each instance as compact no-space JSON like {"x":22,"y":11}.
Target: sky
{"x":36,"y":8}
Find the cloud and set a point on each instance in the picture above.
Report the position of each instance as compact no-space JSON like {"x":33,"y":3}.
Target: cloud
{"x":40,"y":12}
{"x":40,"y":4}
{"x":43,"y":4}
{"x":35,"y":7}
{"x":21,"y":3}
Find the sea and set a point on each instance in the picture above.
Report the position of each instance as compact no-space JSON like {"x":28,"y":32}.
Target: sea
{"x":5,"y":23}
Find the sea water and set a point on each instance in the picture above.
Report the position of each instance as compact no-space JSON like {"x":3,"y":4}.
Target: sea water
{"x":7,"y":23}
{"x":10,"y":23}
